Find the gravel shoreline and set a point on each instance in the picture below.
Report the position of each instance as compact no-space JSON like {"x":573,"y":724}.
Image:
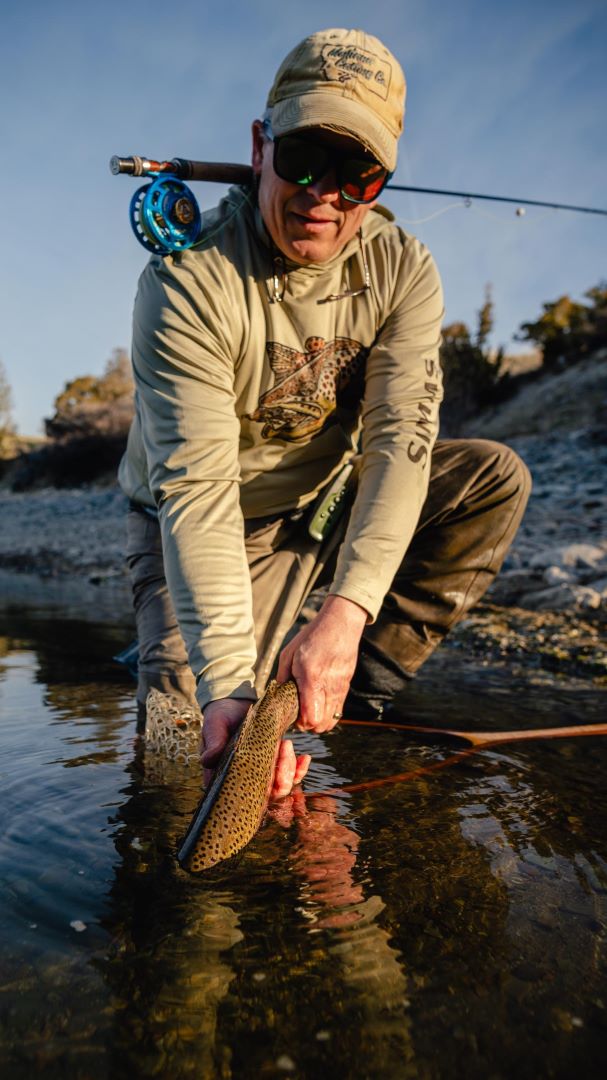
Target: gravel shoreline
{"x":54,"y":532}
{"x":558,"y":561}
{"x":547,"y":609}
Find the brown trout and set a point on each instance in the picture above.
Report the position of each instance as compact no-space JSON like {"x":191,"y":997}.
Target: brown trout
{"x":233,"y":807}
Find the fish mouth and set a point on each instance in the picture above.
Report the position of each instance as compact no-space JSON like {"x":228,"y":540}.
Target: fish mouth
{"x":289,"y":422}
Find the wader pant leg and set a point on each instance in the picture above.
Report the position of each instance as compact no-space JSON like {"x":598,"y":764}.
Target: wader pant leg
{"x":163,"y":661}
{"x":476,"y":499}
{"x":477,"y":495}
{"x":284,"y":563}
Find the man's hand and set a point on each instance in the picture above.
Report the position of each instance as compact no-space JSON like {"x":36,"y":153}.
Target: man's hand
{"x":289,"y":769}
{"x":221,"y":720}
{"x":322,"y":658}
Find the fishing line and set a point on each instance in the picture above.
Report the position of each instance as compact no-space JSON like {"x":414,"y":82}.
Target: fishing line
{"x":437,"y":213}
{"x":520,"y":213}
{"x":219,"y":228}
{"x":508,"y":221}
{"x":498,"y":198}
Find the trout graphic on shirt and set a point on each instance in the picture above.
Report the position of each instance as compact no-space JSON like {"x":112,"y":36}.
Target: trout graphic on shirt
{"x":309,"y":386}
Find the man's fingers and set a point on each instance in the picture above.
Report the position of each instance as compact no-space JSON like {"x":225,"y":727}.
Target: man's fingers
{"x":311,"y":708}
{"x":284,"y":665}
{"x":210,"y":756}
{"x":221,"y":719}
{"x":334,"y":713}
{"x":289,"y":770}
{"x":213,"y":743}
{"x":318,"y":712}
{"x":216,"y":731}
{"x":284,"y":770}
{"x":301,"y":767}
{"x":333,"y":710}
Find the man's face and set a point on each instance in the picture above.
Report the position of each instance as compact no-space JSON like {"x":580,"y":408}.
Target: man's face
{"x":307,"y":224}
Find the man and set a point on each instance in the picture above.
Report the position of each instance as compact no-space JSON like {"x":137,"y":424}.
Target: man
{"x":303,"y":320}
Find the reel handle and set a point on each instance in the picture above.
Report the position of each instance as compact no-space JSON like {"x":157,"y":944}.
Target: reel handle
{"x":184,"y":169}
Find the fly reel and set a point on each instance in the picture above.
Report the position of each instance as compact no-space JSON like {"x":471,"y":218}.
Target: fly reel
{"x":165,"y":216}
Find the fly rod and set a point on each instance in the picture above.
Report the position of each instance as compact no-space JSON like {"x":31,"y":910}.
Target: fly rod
{"x":487,"y":738}
{"x":165,"y":215}
{"x":475,"y":740}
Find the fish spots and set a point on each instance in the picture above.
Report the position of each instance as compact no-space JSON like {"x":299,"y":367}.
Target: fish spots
{"x":309,"y":385}
{"x":232,"y":809}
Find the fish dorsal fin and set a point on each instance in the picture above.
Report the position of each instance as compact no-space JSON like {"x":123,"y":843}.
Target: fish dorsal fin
{"x":284,"y":360}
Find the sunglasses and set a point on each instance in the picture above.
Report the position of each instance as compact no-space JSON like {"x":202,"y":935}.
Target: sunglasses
{"x":302,"y":161}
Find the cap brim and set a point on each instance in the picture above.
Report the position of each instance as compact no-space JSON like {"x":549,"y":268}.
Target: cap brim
{"x":333,"y":110}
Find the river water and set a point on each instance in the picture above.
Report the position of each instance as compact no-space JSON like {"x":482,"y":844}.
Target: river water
{"x":449,"y":925}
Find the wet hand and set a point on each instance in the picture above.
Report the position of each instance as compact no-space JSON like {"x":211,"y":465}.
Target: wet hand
{"x":221,"y":719}
{"x":289,"y":769}
{"x":322,"y":658}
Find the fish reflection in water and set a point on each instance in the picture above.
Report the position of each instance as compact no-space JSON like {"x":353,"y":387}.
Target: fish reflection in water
{"x":170,"y":967}
{"x":327,"y":925}
{"x":336,"y":899}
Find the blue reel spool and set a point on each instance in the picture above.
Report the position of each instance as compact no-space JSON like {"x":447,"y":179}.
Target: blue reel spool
{"x":165,"y":216}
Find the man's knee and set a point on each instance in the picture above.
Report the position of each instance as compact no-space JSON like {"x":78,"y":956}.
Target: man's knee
{"x":498,"y":465}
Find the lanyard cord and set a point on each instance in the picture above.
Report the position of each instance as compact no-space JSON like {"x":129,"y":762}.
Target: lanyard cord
{"x":280,"y":276}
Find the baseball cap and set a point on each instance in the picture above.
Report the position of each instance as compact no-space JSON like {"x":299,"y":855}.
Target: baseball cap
{"x":345,"y":80}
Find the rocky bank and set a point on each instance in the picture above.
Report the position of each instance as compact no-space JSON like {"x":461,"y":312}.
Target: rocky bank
{"x":548,"y":608}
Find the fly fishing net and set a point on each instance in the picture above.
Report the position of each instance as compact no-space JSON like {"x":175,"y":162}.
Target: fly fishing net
{"x":172,"y":727}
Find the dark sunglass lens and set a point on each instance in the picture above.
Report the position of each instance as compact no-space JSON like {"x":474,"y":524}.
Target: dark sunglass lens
{"x":362,"y":181}
{"x":298,"y":161}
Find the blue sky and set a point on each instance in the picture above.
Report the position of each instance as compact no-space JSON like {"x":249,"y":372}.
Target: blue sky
{"x":509,"y":99}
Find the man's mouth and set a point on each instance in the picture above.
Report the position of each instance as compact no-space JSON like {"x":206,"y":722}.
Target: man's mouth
{"x":312,"y":222}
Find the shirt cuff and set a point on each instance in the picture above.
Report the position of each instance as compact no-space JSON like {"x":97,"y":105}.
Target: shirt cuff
{"x":359,"y":596}
{"x":223,"y":688}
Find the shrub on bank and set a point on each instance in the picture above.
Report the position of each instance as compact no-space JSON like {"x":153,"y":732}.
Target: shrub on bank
{"x":7,"y":427}
{"x":569,"y":331}
{"x":477,"y":377}
{"x":95,"y":405}
{"x":68,"y":462}
{"x":473,"y":374}
{"x":87,"y":432}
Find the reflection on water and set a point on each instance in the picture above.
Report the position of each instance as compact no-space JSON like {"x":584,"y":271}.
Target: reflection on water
{"x":449,"y":926}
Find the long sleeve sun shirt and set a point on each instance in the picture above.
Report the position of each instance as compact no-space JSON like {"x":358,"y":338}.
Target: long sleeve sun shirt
{"x":247,"y":408}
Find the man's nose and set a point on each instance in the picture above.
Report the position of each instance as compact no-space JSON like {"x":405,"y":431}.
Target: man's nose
{"x":326,"y":188}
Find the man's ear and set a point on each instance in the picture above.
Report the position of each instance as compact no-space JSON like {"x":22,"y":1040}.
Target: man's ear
{"x":257,"y":149}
